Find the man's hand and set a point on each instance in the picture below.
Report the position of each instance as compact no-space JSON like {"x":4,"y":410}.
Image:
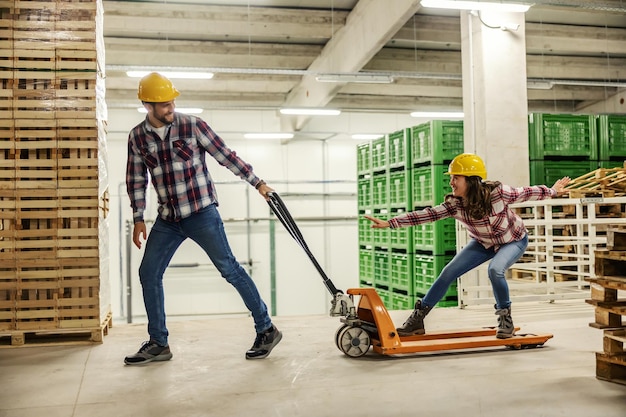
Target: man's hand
{"x":264,"y":189}
{"x":139,"y":231}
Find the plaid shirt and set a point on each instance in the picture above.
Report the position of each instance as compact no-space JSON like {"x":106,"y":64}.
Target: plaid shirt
{"x":501,"y":226}
{"x":177,"y":167}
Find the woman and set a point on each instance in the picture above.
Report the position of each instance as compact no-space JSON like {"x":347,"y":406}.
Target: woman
{"x":497,"y":234}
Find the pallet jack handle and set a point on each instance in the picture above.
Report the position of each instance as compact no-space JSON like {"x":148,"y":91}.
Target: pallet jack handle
{"x":280,"y":210}
{"x":342,"y":304}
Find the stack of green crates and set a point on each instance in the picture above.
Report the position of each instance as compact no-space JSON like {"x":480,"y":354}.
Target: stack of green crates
{"x":612,"y":140}
{"x":561,"y":145}
{"x":404,"y":171}
{"x":434,"y":145}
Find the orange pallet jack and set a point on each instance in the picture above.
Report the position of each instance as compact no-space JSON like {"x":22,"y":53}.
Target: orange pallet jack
{"x":369,"y":324}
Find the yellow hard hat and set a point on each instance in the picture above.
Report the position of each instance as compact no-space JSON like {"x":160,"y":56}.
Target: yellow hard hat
{"x":467,"y":164}
{"x":155,"y":88}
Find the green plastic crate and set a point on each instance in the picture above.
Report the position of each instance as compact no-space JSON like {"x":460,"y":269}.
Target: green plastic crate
{"x":401,"y":238}
{"x":564,"y":135}
{"x":364,"y":158}
{"x":399,"y":189}
{"x":380,"y":191}
{"x":426,"y":269}
{"x":398,"y":145}
{"x":401,"y":301}
{"x":381,"y":267}
{"x":438,"y":238}
{"x":364,"y":194}
{"x":366,"y":236}
{"x":436,"y":142}
{"x":366,"y":265}
{"x":385,"y":295}
{"x":380,"y":237}
{"x":401,"y":272}
{"x":612,"y":137}
{"x":379,"y":154}
{"x":613,"y":164}
{"x":547,"y":172}
{"x":429,"y":185}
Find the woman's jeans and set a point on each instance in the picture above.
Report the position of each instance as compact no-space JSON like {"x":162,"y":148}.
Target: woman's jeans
{"x":207,"y":230}
{"x":471,"y":256}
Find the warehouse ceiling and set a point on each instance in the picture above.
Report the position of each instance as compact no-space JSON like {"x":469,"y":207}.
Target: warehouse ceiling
{"x":266,"y":54}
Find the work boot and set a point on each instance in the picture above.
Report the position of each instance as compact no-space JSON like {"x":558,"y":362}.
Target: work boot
{"x":415,"y":323}
{"x":505,"y":323}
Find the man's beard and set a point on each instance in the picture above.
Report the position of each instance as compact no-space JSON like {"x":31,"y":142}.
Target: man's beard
{"x":163,"y":119}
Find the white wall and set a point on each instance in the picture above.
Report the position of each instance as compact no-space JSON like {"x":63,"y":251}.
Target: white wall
{"x":305,"y":167}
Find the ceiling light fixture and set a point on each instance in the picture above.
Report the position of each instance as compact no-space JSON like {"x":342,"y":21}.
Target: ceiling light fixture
{"x":367,"y":136}
{"x":185,"y":110}
{"x":450,"y":115}
{"x":191,"y":75}
{"x":268,"y":135}
{"x":311,"y":112}
{"x":539,"y":85}
{"x":495,"y":6}
{"x":355,"y":78}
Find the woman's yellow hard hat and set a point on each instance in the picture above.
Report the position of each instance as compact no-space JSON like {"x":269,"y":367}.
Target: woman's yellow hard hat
{"x":468,"y":165}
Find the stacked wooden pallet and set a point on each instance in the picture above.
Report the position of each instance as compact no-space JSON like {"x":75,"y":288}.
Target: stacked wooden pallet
{"x":53,"y":275}
{"x":602,"y":182}
{"x":609,"y":308}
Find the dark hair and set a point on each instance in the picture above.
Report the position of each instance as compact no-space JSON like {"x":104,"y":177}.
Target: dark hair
{"x":477,"y":199}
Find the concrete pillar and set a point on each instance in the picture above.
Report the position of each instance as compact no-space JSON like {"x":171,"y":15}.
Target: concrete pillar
{"x":495,"y":99}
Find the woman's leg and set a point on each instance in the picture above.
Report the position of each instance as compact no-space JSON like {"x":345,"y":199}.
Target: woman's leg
{"x":471,"y":256}
{"x":506,"y":256}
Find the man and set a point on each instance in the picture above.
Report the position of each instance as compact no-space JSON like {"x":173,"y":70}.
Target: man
{"x":171,"y":147}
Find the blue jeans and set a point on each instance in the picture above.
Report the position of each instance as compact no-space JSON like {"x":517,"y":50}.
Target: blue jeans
{"x":207,"y":230}
{"x":470,"y":257}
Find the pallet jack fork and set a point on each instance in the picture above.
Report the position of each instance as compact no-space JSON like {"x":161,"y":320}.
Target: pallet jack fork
{"x":369,"y":324}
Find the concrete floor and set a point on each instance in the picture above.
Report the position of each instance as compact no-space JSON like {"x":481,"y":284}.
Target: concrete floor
{"x":306,"y":375}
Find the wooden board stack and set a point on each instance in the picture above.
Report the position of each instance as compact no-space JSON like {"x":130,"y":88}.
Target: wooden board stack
{"x":610,"y":309}
{"x":53,"y":191}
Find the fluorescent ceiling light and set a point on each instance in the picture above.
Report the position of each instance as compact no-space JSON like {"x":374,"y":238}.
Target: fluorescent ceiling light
{"x":186,"y":110}
{"x":355,"y":78}
{"x":496,"y":6}
{"x":192,"y":75}
{"x":539,"y":85}
{"x":437,"y":114}
{"x":311,"y":112}
{"x":367,"y":136}
{"x":268,"y":135}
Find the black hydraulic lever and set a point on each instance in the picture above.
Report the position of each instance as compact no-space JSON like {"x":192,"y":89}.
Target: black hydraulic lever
{"x":281,"y":212}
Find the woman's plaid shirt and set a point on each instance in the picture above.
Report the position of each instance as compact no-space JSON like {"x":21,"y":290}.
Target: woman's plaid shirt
{"x":177,"y":167}
{"x":501,"y":226}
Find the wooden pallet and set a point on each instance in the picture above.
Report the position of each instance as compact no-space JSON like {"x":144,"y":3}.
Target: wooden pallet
{"x":611,"y":368}
{"x":56,"y":337}
{"x":602,"y":182}
{"x":604,"y":296}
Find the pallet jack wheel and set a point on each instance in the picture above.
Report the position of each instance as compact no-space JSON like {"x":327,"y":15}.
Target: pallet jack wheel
{"x":353,"y":341}
{"x":337,"y":333}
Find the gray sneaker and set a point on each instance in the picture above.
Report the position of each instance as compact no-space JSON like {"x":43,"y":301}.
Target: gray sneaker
{"x":264,"y":343}
{"x":148,"y":352}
